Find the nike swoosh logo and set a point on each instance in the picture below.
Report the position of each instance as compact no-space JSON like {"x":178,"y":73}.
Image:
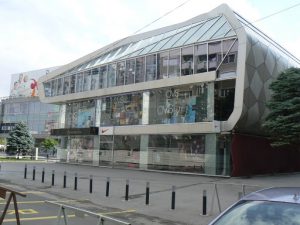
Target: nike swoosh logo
{"x":104,"y":130}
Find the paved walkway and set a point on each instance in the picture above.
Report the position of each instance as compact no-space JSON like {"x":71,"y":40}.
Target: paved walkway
{"x":189,"y":189}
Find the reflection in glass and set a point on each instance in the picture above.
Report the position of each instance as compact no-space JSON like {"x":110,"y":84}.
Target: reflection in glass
{"x":111,"y":75}
{"x":163,"y":65}
{"x":95,"y":79}
{"x":120,"y":73}
{"x":174,"y":63}
{"x":54,"y":87}
{"x":103,"y":77}
{"x":130,"y":71}
{"x":60,"y":86}
{"x":87,"y":81}
{"x":140,"y":70}
{"x":73,"y":83}
{"x":201,"y":58}
{"x":187,"y":61}
{"x":79,"y":86}
{"x":151,"y":67}
{"x":214,"y":55}
{"x":67,"y":85}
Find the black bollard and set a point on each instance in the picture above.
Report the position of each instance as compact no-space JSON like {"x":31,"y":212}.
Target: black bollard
{"x":65,"y":179}
{"x":33,"y":173}
{"x":127,"y":190}
{"x":75,"y":182}
{"x":147,"y":193}
{"x":91,"y":183}
{"x":173,"y":198}
{"x":204,"y":203}
{"x":107,"y":186}
{"x":25,"y":172}
{"x":43,"y":175}
{"x":53,"y":174}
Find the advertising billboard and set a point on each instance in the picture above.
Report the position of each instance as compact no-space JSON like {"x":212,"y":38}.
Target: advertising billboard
{"x":25,"y":84}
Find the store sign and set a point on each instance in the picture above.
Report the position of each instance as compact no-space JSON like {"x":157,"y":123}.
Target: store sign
{"x":106,"y":131}
{"x":75,"y":131}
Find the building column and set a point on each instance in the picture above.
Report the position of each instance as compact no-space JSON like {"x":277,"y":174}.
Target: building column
{"x":210,"y":154}
{"x":62,"y":116}
{"x":144,"y":153}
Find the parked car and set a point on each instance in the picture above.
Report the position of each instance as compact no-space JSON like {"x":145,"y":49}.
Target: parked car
{"x":272,"y":206}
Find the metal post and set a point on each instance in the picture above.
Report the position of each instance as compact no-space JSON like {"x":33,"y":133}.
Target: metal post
{"x":147,"y":193}
{"x":204,"y":203}
{"x":43,"y":175}
{"x":33,"y":173}
{"x":25,"y":172}
{"x":65,"y":179}
{"x":91,"y":183}
{"x":75,"y":182}
{"x":127,"y":190}
{"x":107,"y":186}
{"x":53,"y":174}
{"x":173,"y":197}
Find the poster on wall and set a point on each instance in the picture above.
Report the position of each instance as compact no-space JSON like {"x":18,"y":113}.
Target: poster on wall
{"x":25,"y":84}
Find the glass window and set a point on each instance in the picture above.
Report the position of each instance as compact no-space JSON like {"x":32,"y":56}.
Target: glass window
{"x":79,"y":86}
{"x":160,"y":44}
{"x":130,"y":71}
{"x":174,"y":63}
{"x":73,"y":83}
{"x":120,"y":73}
{"x":187,"y":35}
{"x":150,"y":67}
{"x":140,"y":70}
{"x":60,"y":86}
{"x":47,"y":88}
{"x":163,"y":65}
{"x":187,"y":61}
{"x":214,"y":55}
{"x":54,"y":87}
{"x":67,"y":85}
{"x":222,"y":31}
{"x":213,"y":29}
{"x":122,"y":110}
{"x":103,"y":77}
{"x":201,"y":58}
{"x":95,"y":79}
{"x":87,"y":81}
{"x":111,"y":75}
{"x":173,"y":40}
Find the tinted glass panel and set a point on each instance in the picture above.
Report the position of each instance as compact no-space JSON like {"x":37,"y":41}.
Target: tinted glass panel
{"x":187,"y":61}
{"x":111,"y":75}
{"x":201,"y":58}
{"x":140,"y":70}
{"x":187,"y":35}
{"x":73,"y":83}
{"x":150,"y":67}
{"x":79,"y":86}
{"x":66,"y":85}
{"x":174,"y":63}
{"x":95,"y":79}
{"x":103,"y":77}
{"x":163,"y":65}
{"x":60,"y":86}
{"x":120,"y":73}
{"x":130,"y":71}
{"x":87,"y":81}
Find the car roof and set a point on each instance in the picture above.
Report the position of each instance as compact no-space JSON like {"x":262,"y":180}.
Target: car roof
{"x":276,"y":194}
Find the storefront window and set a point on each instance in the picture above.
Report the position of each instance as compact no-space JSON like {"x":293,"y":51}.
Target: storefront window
{"x":47,"y":89}
{"x":80,"y":114}
{"x":186,"y":104}
{"x":111,"y":75}
{"x":103,"y":77}
{"x":174,"y":63}
{"x":60,"y":86}
{"x":140,"y":70}
{"x":150,"y":67}
{"x":120,"y":73}
{"x":81,"y":149}
{"x":201,"y":58}
{"x":187,"y":61}
{"x":130,"y":71}
{"x":121,"y":110}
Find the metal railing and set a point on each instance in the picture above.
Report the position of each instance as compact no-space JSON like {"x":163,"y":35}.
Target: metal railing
{"x":101,"y":219}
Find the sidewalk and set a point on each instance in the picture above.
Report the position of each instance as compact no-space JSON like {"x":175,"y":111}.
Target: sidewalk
{"x":189,"y":189}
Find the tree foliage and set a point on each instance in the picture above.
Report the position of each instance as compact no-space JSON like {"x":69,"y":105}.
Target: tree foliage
{"x":49,"y":143}
{"x":283,"y":122}
{"x":20,"y":140}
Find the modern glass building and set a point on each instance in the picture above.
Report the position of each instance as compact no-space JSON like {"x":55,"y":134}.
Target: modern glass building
{"x":23,"y":105}
{"x":188,"y":97}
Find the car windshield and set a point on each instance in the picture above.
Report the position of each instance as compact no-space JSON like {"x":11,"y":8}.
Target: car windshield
{"x":261,"y":213}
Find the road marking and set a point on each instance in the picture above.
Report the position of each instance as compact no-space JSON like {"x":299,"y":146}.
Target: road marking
{"x":36,"y":218}
{"x":22,"y":211}
{"x":39,"y":202}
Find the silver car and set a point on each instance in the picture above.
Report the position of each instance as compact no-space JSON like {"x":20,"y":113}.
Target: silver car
{"x":272,"y":206}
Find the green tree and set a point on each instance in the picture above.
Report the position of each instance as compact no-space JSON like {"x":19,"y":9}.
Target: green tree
{"x":20,"y":140}
{"x":49,"y":143}
{"x":283,"y":121}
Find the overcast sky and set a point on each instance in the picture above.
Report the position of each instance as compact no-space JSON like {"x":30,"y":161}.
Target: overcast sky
{"x":36,"y":34}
